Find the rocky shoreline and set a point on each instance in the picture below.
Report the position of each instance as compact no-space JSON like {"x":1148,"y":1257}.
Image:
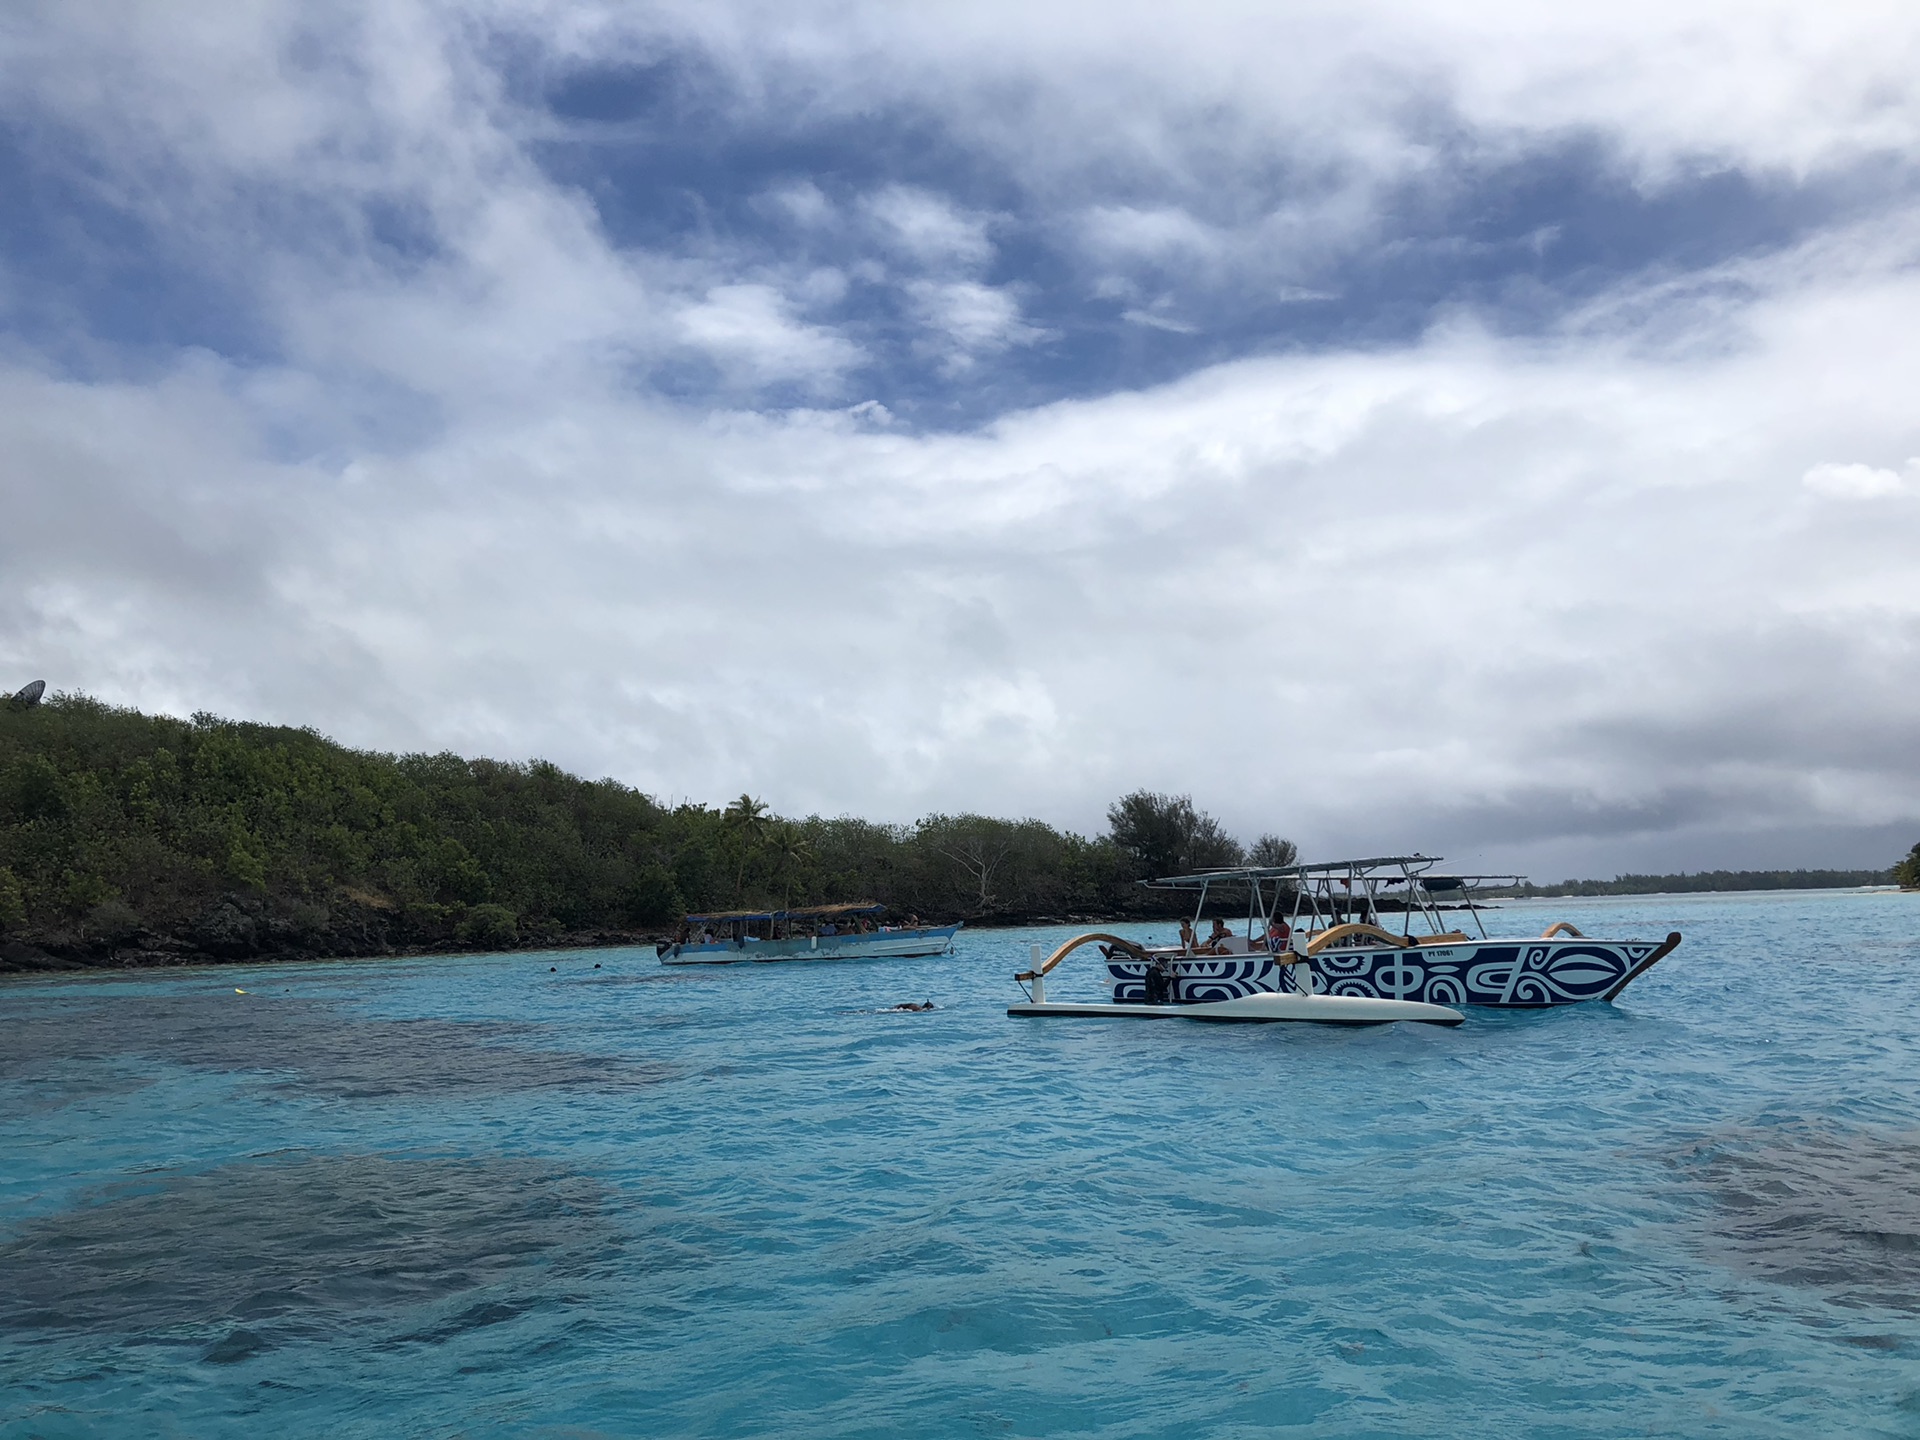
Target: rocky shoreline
{"x":246,"y":929}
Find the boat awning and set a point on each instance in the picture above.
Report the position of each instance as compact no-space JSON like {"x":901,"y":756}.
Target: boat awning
{"x":822,"y":912}
{"x":807,"y":912}
{"x":1409,"y":867}
{"x":1247,"y":874}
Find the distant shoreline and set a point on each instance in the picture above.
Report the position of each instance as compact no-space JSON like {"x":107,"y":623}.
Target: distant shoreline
{"x":1702,"y":882}
{"x":20,"y":958}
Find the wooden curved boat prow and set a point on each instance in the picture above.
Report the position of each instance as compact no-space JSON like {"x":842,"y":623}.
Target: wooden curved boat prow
{"x":1045,"y":967}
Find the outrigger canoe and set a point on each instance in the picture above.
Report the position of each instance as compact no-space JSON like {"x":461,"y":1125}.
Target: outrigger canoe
{"x":1326,"y":932}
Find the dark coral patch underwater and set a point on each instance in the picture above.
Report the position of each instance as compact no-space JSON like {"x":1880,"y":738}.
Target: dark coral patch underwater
{"x":302,"y":1043}
{"x":236,"y":1260}
{"x":1825,"y":1207}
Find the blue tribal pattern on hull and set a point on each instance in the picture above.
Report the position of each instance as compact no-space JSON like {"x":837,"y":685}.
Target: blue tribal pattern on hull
{"x":1516,"y":974}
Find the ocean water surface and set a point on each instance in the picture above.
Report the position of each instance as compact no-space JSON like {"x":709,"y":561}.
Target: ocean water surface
{"x":480,"y":1196}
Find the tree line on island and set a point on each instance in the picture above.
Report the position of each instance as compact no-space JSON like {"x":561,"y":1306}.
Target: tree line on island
{"x":144,"y":837}
{"x":1906,"y":875}
{"x":132,"y":838}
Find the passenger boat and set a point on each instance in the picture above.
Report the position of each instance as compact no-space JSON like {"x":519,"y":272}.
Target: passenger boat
{"x":1327,"y":930}
{"x":814,"y":932}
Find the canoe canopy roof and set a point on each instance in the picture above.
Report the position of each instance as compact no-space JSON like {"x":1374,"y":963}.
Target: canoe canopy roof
{"x":1405,"y":867}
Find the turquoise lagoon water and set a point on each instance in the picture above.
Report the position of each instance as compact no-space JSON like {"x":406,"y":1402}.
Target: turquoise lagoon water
{"x":470,"y":1196}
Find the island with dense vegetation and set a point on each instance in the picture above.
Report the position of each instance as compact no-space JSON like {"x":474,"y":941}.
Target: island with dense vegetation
{"x":128,"y":838}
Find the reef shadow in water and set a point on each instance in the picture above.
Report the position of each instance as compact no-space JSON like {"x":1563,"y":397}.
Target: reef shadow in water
{"x":315,"y":1044}
{"x":238,"y":1259}
{"x":1828,"y":1208}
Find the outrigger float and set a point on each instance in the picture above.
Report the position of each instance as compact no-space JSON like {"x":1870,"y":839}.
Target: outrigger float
{"x":1316,"y":949}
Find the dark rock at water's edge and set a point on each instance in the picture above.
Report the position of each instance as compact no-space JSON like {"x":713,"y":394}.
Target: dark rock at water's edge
{"x":240,"y":927}
{"x":229,"y":931}
{"x":16,"y":956}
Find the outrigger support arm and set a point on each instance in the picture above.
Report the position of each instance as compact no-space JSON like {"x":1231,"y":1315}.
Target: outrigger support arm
{"x":1560,"y":927}
{"x":1041,"y":970}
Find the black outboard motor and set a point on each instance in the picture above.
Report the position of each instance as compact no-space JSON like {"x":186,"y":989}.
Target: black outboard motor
{"x":1160,"y":986}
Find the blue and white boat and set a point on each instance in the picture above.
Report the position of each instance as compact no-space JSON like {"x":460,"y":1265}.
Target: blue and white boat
{"x":1368,"y":929}
{"x":1375,"y":927}
{"x":815,"y":932}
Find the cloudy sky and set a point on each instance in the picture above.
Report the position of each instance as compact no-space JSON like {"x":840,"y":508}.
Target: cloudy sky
{"x":1479,"y":427}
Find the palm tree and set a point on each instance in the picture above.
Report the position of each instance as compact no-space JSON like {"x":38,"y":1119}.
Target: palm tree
{"x":747,"y":818}
{"x":747,"y":814}
{"x":790,"y":852}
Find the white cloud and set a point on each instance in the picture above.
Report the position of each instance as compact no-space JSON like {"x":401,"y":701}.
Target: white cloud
{"x":1165,"y":232}
{"x":930,"y":228}
{"x":1267,"y":138}
{"x":750,"y":330}
{"x":804,"y":203}
{"x":1157,"y":321}
{"x":1764,"y":83}
{"x":1855,"y":482}
{"x":972,"y":319}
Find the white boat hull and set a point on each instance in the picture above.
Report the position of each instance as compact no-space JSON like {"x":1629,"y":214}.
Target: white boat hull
{"x":1262,"y":1006}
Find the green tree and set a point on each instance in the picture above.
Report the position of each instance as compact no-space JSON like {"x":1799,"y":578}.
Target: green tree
{"x":1907,"y":873}
{"x":489,"y":927}
{"x":13,"y":901}
{"x":1166,"y":835}
{"x":977,"y":846}
{"x":653,"y":897}
{"x":787,"y":843}
{"x":1271,"y":850}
